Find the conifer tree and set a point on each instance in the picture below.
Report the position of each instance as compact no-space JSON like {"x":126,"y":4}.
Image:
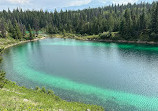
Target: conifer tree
{"x":155,"y":18}
{"x":30,"y":33}
{"x":17,"y":34}
{"x":3,"y":28}
{"x":142,"y":21}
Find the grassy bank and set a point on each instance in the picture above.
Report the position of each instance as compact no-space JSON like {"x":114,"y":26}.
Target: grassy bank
{"x":106,"y":37}
{"x":101,"y":36}
{"x":14,"y":97}
{"x":75,"y":36}
{"x":6,"y":42}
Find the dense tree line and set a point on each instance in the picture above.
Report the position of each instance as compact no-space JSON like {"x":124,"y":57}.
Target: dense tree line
{"x":131,"y":21}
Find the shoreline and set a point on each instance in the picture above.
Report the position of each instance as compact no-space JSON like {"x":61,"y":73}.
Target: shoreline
{"x":24,"y":41}
{"x":96,"y":39}
{"x":126,"y":41}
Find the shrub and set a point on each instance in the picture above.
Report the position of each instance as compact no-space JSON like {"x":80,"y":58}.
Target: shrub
{"x":43,"y":90}
{"x":50,"y":92}
{"x":1,"y":59}
{"x":2,"y":79}
{"x":1,"y":49}
{"x":105,"y":35}
{"x":37,"y":88}
{"x":57,"y":98}
{"x":154,"y":36}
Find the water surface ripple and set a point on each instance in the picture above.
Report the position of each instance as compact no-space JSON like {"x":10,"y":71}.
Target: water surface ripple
{"x":120,"y":77}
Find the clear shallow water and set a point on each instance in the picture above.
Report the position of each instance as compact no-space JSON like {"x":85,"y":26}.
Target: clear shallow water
{"x":120,"y":77}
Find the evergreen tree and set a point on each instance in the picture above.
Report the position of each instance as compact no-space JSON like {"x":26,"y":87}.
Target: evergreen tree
{"x":3,"y":30}
{"x":16,"y":32}
{"x":142,"y":21}
{"x":155,"y":18}
{"x":110,"y":23}
{"x":36,"y":26}
{"x":30,"y":33}
{"x":127,"y":25}
{"x":10,"y":27}
{"x":122,"y":27}
{"x":154,"y":33}
{"x":131,"y":21}
{"x":23,"y":30}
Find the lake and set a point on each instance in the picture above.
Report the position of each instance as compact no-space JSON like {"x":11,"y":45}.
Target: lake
{"x":119,"y":77}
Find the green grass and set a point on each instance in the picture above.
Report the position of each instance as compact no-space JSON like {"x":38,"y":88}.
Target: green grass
{"x":7,"y":41}
{"x":14,"y":97}
{"x":76,"y":36}
{"x":101,"y":36}
{"x":88,"y":37}
{"x":4,"y":42}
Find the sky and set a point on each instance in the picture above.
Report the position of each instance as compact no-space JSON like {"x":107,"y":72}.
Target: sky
{"x":52,"y":4}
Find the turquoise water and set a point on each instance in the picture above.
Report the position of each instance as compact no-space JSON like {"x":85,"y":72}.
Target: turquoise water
{"x":119,"y":77}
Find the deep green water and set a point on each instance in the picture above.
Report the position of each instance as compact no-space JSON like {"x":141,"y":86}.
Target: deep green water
{"x":120,"y":77}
